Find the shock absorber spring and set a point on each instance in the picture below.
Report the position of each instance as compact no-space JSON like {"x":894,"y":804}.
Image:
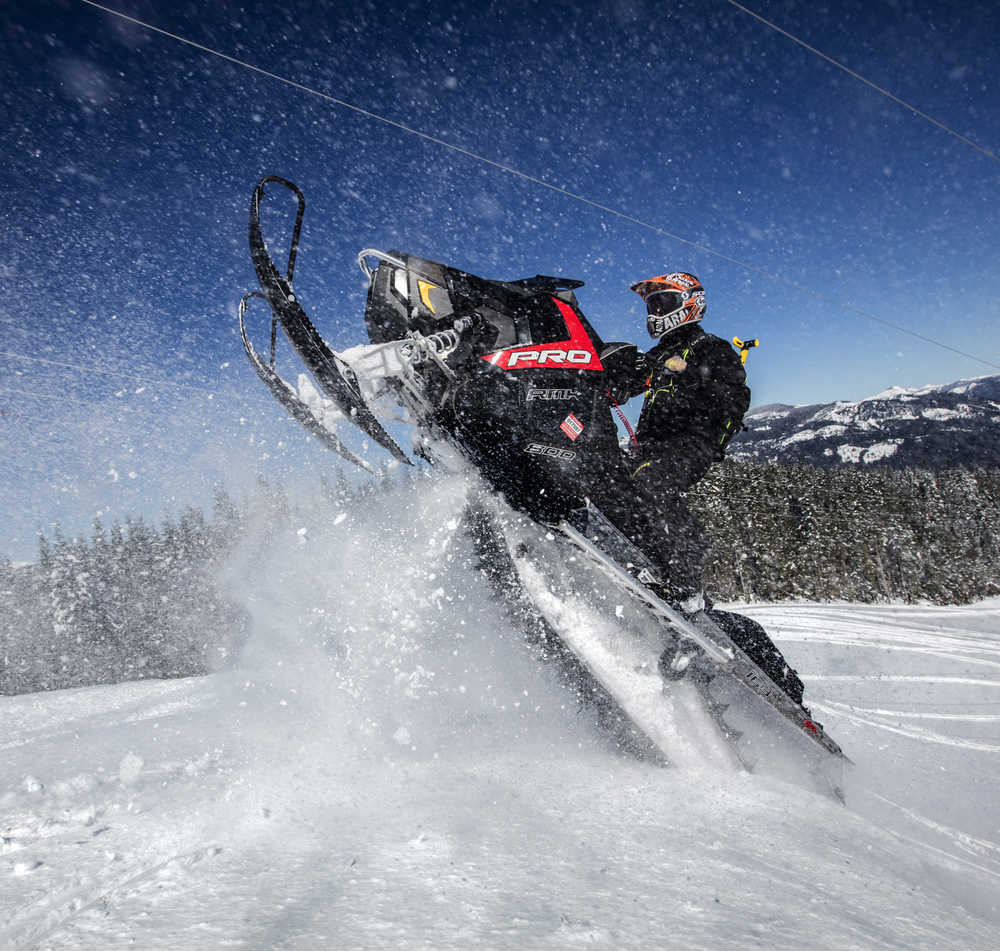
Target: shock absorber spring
{"x":439,"y":345}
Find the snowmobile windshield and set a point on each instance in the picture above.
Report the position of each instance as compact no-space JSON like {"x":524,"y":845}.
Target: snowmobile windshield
{"x":661,"y":303}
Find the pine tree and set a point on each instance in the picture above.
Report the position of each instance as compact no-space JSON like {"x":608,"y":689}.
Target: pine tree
{"x":845,"y":533}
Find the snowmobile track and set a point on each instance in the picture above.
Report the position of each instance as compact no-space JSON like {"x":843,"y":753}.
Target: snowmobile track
{"x":41,"y":924}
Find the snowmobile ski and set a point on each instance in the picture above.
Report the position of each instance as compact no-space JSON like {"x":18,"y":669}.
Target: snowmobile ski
{"x":312,"y":349}
{"x":286,"y":395}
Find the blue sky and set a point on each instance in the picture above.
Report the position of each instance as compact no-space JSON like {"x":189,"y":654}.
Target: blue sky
{"x":129,"y":159}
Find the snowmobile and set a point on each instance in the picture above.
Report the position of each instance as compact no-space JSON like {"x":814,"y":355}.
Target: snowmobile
{"x":511,"y":379}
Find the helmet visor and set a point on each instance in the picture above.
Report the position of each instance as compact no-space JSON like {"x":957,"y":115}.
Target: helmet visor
{"x":661,"y":303}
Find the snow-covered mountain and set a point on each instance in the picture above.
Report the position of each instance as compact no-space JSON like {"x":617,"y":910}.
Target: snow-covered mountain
{"x":391,"y":767}
{"x":956,"y":424}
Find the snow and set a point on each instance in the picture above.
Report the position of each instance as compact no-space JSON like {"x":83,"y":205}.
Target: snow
{"x":899,"y":392}
{"x":880,"y":451}
{"x":870,"y":454}
{"x":390,"y":767}
{"x":962,"y":410}
{"x":846,"y":414}
{"x":840,"y":412}
{"x":843,"y":412}
{"x":902,"y":393}
{"x":824,"y":432}
{"x":326,"y":411}
{"x":766,"y":412}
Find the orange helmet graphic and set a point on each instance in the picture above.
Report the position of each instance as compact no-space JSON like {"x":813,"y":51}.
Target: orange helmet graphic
{"x":671,"y":301}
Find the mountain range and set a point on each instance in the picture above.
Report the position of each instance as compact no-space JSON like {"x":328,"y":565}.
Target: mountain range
{"x":936,"y":427}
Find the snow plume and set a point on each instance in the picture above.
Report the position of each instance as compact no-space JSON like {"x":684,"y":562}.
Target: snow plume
{"x":373,"y":636}
{"x":389,"y":766}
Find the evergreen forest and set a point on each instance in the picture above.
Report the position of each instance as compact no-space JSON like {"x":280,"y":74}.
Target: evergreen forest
{"x":136,"y":601}
{"x":780,"y":532}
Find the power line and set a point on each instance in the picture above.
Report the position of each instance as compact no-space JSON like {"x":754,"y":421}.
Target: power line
{"x":122,"y":409}
{"x":92,"y":368}
{"x":867,"y":82}
{"x":126,"y":435}
{"x":555,"y":188}
{"x":17,"y":414}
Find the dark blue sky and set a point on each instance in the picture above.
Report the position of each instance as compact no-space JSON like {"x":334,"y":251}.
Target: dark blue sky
{"x":129,"y":159}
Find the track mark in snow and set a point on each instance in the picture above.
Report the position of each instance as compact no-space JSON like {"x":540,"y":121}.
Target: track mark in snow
{"x":920,"y":715}
{"x":68,"y":713}
{"x":944,"y":853}
{"x":900,"y":678}
{"x":964,"y":654}
{"x":876,"y":629}
{"x":39,"y":925}
{"x":981,"y":848}
{"x":852,"y":714}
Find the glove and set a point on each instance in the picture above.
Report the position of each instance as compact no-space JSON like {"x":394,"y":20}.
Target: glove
{"x":625,"y":370}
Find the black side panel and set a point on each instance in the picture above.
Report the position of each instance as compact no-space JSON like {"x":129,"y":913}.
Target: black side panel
{"x":539,"y":427}
{"x":415,"y":298}
{"x":429,"y":297}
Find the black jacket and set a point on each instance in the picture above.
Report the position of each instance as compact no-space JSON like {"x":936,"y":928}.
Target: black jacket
{"x":696,"y":395}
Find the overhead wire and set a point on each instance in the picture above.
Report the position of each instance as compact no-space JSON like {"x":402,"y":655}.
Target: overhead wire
{"x":123,"y":409}
{"x":94,"y":368}
{"x":566,"y":193}
{"x":16,"y":414}
{"x":861,"y":79}
{"x":145,"y":381}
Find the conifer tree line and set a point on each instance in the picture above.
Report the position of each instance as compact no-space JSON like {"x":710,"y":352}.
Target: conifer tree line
{"x":135,"y":601}
{"x":131,"y":602}
{"x":779,"y":532}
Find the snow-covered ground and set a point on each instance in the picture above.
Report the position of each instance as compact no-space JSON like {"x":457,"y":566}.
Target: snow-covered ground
{"x":390,"y":768}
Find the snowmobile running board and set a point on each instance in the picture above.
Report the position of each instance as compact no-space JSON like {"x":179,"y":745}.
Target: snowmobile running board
{"x":713,"y":643}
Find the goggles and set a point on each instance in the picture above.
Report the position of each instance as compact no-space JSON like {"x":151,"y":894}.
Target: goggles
{"x":661,"y":303}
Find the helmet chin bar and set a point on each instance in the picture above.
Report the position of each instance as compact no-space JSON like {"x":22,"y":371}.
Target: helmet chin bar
{"x":660,"y":324}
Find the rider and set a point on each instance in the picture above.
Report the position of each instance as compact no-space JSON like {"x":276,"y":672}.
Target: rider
{"x":696,"y":395}
{"x":696,"y":392}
